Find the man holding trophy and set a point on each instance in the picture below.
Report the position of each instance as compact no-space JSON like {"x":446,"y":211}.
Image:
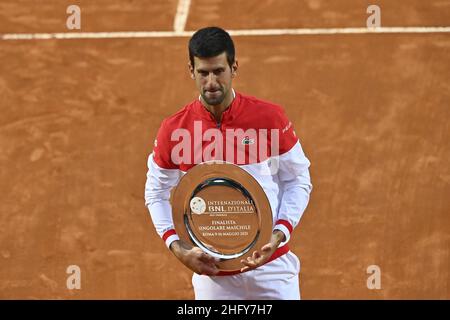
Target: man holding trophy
{"x":227,"y":183}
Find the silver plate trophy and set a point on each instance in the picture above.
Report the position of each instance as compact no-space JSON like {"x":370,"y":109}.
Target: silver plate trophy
{"x":223,"y":210}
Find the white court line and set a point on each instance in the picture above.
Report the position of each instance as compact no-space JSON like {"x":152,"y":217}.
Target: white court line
{"x":181,"y":17}
{"x":254,"y":32}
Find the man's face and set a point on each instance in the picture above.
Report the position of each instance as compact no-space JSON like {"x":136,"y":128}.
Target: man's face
{"x":213,"y":77}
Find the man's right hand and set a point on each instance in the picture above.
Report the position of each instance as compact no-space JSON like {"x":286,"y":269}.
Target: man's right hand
{"x":194,"y":258}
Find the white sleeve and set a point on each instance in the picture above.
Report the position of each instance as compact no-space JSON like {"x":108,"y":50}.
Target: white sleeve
{"x":293,"y":174}
{"x":159,"y":183}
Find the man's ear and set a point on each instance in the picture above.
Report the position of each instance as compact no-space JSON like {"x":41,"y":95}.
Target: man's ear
{"x":191,"y":70}
{"x":234,"y":68}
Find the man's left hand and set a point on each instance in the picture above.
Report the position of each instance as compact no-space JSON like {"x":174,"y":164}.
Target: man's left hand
{"x":258,"y":258}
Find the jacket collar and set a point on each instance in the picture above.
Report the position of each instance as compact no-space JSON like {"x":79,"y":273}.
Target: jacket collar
{"x":201,"y":110}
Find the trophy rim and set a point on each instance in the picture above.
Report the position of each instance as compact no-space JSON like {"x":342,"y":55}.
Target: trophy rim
{"x":222,"y":169}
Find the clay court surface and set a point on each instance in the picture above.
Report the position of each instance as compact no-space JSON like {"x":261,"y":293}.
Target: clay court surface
{"x":78,"y":120}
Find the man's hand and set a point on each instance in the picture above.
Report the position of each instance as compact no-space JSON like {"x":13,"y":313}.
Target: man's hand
{"x":259,"y":258}
{"x":194,"y":258}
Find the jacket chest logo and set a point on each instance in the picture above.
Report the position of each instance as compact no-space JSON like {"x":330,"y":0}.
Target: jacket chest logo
{"x":247,"y":141}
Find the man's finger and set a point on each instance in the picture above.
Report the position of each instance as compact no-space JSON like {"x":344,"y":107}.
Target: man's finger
{"x":256,"y":255}
{"x":245,"y":269}
{"x":249,"y":263}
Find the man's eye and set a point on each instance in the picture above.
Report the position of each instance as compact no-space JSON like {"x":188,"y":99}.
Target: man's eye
{"x":203,"y":73}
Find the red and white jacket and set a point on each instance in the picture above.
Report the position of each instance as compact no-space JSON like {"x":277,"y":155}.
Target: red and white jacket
{"x":283,"y":175}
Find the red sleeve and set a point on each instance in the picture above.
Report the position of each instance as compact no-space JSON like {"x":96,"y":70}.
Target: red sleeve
{"x":162,"y":148}
{"x":287,"y":134}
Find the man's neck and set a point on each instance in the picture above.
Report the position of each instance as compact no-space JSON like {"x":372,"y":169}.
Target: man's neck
{"x":217,"y":110}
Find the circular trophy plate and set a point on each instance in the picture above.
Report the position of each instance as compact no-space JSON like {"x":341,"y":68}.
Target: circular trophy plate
{"x":222,"y":209}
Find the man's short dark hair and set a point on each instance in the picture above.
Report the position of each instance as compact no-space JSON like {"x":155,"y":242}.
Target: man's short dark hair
{"x":210,"y":42}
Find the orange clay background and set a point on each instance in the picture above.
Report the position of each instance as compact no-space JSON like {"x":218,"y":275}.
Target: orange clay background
{"x":78,"y":119}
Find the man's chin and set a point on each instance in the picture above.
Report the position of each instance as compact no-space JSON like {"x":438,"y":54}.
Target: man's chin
{"x":213,"y":101}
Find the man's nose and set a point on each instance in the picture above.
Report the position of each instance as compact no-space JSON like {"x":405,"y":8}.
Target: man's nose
{"x":211,"y":80}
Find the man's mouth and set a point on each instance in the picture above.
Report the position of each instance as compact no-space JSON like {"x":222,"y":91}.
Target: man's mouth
{"x":213,"y":92}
